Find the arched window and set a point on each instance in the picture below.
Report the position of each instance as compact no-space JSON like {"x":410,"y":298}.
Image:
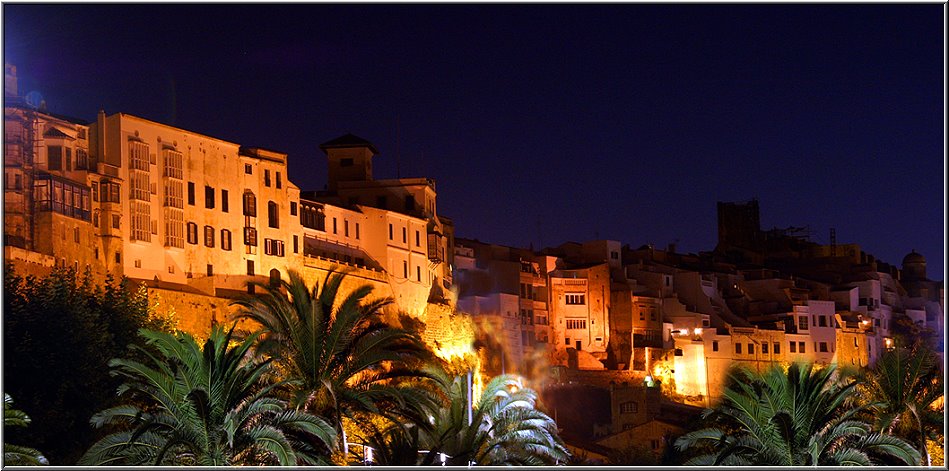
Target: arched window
{"x":274,"y":277}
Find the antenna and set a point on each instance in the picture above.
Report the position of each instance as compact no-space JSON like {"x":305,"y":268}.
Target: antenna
{"x":833,"y":242}
{"x":398,"y":133}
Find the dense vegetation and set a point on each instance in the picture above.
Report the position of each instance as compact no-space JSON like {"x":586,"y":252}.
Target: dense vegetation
{"x":59,"y":333}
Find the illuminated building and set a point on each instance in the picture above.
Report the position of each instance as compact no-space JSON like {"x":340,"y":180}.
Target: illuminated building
{"x":195,"y":217}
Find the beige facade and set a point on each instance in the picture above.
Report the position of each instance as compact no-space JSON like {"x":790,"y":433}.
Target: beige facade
{"x":196,"y":218}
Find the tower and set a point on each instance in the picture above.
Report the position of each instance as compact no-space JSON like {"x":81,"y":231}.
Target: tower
{"x":349,"y":158}
{"x":738,"y":224}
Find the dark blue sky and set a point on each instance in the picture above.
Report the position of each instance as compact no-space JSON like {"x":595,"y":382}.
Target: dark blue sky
{"x":543,"y":124}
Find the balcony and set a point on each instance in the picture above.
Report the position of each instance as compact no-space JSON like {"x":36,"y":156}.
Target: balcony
{"x":436,"y":247}
{"x":648,"y":338}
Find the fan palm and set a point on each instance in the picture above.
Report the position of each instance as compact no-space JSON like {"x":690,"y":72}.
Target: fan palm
{"x":16,"y":455}
{"x":797,"y":418}
{"x":905,"y":384}
{"x":338,"y":358}
{"x":194,"y":406}
{"x":505,"y":428}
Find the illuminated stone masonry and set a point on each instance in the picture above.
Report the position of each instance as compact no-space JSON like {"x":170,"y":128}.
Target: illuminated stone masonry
{"x":196,"y":218}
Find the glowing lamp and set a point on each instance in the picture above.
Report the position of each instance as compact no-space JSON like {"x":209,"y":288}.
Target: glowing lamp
{"x":698,"y":331}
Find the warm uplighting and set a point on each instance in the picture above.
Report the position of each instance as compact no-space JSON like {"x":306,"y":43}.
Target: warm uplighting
{"x":697,"y":331}
{"x":888,"y":342}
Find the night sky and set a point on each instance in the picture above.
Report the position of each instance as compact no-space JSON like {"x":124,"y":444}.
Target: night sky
{"x":548,"y":123}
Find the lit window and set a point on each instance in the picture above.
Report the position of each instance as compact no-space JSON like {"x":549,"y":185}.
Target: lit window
{"x":630,"y":407}
{"x":208,"y":236}
{"x":575,"y":299}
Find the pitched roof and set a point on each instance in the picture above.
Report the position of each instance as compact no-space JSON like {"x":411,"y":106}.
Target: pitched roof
{"x":346,"y":141}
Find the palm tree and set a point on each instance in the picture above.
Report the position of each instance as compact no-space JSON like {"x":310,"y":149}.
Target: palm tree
{"x":797,"y":418}
{"x":16,"y":455}
{"x":206,"y":407}
{"x":905,"y":384}
{"x":504,"y":428}
{"x":338,"y":358}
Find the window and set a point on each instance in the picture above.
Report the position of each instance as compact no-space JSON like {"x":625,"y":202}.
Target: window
{"x":141,"y":221}
{"x":345,"y":162}
{"x":75,"y":234}
{"x":82,"y":159}
{"x":630,"y":407}
{"x":208,"y":197}
{"x":575,"y":299}
{"x":54,"y":156}
{"x":274,"y":277}
{"x":273,"y":247}
{"x":751,"y":349}
{"x":224,"y":205}
{"x":210,"y":270}
{"x":192,"y":233}
{"x":822,"y":321}
{"x":418,"y":240}
{"x":738,"y":348}
{"x":296,"y":244}
{"x":576,"y":324}
{"x":777,"y":348}
{"x":312,"y":216}
{"x":405,"y":269}
{"x":267,"y":178}
{"x":250,"y":204}
{"x":800,"y":347}
{"x":802,"y":322}
{"x":248,"y":169}
{"x":273,"y":214}
{"x":390,"y":231}
{"x":18,"y":182}
{"x":173,"y":164}
{"x":250,"y":268}
{"x":225,"y":239}
{"x":293,"y":208}
{"x":793,"y":346}
{"x":95,"y":191}
{"x":116,"y":221}
{"x":110,"y":192}
{"x":174,"y":227}
{"x":357,"y":231}
{"x":764,"y":347}
{"x":405,"y":238}
{"x":208,"y":236}
{"x":345,"y":228}
{"x":418,"y":274}
{"x":279,"y":181}
{"x":334,"y":225}
{"x":714,"y":345}
{"x":250,"y":236}
{"x":118,"y":257}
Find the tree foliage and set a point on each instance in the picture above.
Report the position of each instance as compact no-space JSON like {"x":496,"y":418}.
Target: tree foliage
{"x":205,"y":406}
{"x":904,"y":395}
{"x":506,"y":427}
{"x":18,"y":455}
{"x":794,"y":418}
{"x":338,"y":358}
{"x":59,"y":333}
